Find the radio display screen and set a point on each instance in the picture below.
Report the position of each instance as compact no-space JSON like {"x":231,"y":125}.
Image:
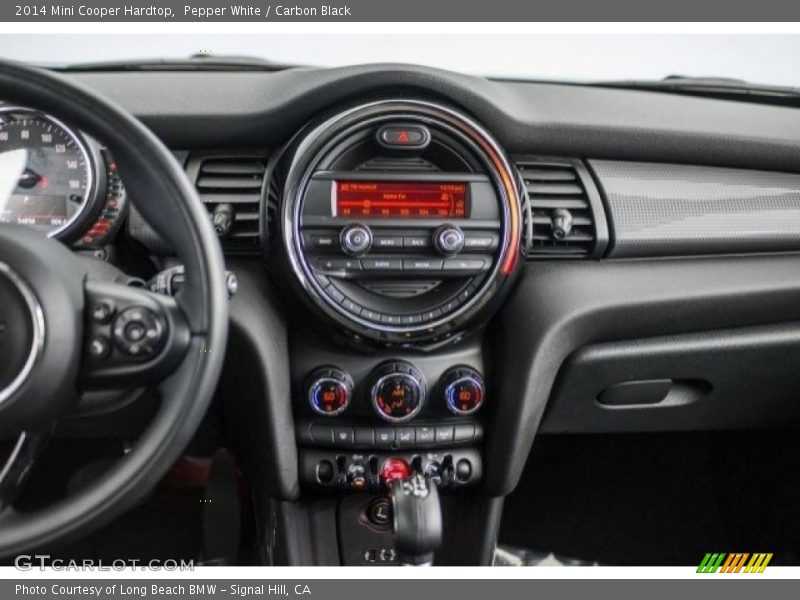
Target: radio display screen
{"x":404,"y":200}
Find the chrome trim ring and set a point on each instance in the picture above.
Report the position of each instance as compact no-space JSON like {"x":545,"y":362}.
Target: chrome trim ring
{"x":374,"y":397}
{"x":37,"y":323}
{"x":312,"y":149}
{"x":457,"y":411}
{"x":322,"y":381}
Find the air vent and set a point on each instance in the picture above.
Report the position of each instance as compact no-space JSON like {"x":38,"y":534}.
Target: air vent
{"x":238,"y":181}
{"x":564,"y":206}
{"x":274,"y":195}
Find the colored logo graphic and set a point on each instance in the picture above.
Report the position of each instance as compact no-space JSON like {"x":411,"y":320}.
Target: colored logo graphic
{"x":722,"y":562}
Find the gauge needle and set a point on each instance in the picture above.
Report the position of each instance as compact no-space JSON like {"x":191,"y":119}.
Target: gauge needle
{"x":30,"y":178}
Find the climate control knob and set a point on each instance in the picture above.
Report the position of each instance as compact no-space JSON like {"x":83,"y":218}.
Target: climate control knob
{"x":398,"y":391}
{"x":329,"y":391}
{"x":463,"y":390}
{"x":448,"y":240}
{"x":356,"y":239}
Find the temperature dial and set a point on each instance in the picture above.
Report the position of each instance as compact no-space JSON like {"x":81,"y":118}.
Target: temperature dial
{"x":329,"y":391}
{"x":464,"y":390}
{"x":398,"y":392}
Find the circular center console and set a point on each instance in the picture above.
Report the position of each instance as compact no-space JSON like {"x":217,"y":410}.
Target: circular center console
{"x":401,"y":220}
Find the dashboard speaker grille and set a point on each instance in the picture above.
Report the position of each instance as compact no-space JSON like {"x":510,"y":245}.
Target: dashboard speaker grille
{"x":238,"y":181}
{"x":559,"y":189}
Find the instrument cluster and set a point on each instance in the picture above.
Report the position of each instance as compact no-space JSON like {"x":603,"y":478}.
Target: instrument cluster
{"x":57,"y":180}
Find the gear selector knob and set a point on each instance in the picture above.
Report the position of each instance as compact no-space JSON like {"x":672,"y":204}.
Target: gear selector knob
{"x":417,"y":519}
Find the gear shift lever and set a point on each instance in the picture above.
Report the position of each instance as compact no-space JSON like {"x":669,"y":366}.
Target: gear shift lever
{"x":417,"y":519}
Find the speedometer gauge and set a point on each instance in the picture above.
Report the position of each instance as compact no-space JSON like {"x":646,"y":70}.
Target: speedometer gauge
{"x":45,"y":172}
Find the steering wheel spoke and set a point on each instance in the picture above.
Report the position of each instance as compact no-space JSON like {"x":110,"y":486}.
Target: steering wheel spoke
{"x":132,"y":337}
{"x":16,"y":467}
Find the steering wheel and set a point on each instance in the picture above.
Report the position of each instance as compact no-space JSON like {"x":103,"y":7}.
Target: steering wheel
{"x":48,"y":299}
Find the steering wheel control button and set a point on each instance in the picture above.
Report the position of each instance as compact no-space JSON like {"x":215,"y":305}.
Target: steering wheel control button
{"x":138,"y":332}
{"x":102,"y":312}
{"x":329,"y":391}
{"x":356,"y":239}
{"x":464,"y":390}
{"x":99,"y":347}
{"x":403,"y":137}
{"x":398,"y":392}
{"x":448,"y":240}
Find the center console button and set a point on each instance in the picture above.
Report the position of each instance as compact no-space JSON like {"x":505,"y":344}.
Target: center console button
{"x":338,"y":264}
{"x":371,"y":315}
{"x":356,"y":239}
{"x":444,"y":434}
{"x":387,"y":241}
{"x":424,"y":435}
{"x":364,"y":436}
{"x":351,"y":306}
{"x":422,"y":264}
{"x":449,"y":240}
{"x":322,"y":434}
{"x":430,"y":315}
{"x":464,"y":432}
{"x":320,"y":241}
{"x":343,"y":436}
{"x":405,"y":436}
{"x":382,"y":264}
{"x":335,"y":293}
{"x":479,"y":242}
{"x":464,"y":264}
{"x":403,"y":136}
{"x":384,"y":437}
{"x":416,"y":241}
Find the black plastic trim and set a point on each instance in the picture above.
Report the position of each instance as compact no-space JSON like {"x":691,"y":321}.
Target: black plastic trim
{"x":559,"y":307}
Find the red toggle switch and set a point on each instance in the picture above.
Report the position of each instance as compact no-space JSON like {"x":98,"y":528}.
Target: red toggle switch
{"x":394,"y":468}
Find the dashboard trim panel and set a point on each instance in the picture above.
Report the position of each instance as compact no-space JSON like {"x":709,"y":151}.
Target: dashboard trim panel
{"x":659,"y":209}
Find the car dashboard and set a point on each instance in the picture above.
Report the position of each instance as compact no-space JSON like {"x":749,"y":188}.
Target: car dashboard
{"x":430,"y":269}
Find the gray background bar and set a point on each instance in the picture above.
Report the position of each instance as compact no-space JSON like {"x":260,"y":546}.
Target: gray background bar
{"x":732,"y":586}
{"x":411,"y":10}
